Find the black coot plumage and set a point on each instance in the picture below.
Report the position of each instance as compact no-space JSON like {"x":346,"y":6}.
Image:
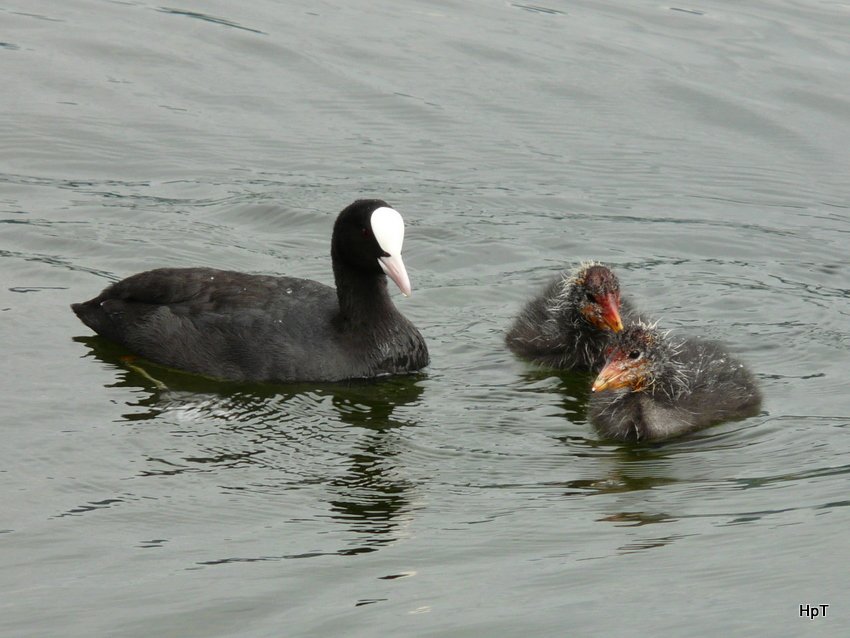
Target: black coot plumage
{"x":242,"y":327}
{"x":655,"y":386}
{"x":570,"y":324}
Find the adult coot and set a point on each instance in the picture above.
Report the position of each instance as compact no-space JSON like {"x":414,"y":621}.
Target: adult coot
{"x":654,"y":386}
{"x":570,"y":324}
{"x":242,"y":327}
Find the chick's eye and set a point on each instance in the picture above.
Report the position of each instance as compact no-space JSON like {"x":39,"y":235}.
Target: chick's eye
{"x":634,"y":354}
{"x":590,"y":297}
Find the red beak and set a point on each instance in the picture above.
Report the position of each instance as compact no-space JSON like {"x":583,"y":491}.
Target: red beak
{"x":611,"y":311}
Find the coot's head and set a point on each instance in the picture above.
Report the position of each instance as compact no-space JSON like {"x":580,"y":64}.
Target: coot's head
{"x":594,"y":291}
{"x":367,"y":237}
{"x":640,"y":357}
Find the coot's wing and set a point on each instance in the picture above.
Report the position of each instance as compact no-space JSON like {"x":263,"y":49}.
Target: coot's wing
{"x":721,"y":387}
{"x":534,"y":334}
{"x":214,"y":322}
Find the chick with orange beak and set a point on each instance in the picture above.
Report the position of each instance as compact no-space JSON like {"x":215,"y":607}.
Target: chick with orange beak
{"x":628,"y":361}
{"x":569,"y":325}
{"x":654,"y":386}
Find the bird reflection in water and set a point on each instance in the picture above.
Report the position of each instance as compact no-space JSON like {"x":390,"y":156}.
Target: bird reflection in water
{"x":628,"y":469}
{"x":341,"y":436}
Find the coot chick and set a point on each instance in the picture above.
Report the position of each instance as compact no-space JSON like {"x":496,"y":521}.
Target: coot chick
{"x":655,"y":386}
{"x":570,"y":324}
{"x":241,"y":327}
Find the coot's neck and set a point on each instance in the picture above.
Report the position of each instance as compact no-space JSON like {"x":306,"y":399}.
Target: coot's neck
{"x":562,"y":311}
{"x":363,"y":296}
{"x":572,"y":314}
{"x":671,"y":379}
{"x":583,"y":330}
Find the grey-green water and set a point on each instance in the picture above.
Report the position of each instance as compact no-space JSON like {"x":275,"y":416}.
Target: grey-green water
{"x":702,"y":149}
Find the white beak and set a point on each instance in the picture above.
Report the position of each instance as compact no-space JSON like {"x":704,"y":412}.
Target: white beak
{"x":394,"y":268}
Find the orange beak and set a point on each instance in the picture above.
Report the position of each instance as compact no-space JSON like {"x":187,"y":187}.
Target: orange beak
{"x":617,"y":373}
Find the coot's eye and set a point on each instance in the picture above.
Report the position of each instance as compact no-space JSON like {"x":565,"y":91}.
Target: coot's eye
{"x":367,"y":232}
{"x":634,"y":354}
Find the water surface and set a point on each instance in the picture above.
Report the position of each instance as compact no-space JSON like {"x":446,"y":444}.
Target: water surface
{"x":700,"y":149}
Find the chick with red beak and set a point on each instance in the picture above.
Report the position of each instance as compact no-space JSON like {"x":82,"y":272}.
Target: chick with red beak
{"x":571,"y":323}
